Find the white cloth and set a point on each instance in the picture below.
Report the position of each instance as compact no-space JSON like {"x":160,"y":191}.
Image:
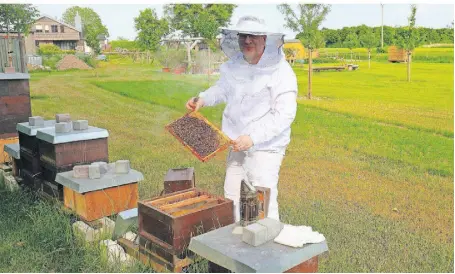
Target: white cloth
{"x":262,"y":169}
{"x":297,"y":236}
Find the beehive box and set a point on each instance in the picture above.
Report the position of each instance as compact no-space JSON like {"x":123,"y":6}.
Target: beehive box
{"x":3,"y":155}
{"x":27,"y":136}
{"x":178,"y":179}
{"x":175,"y":218}
{"x":60,"y":152}
{"x":93,"y":199}
{"x":14,"y":102}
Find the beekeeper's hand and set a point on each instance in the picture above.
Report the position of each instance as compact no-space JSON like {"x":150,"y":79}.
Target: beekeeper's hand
{"x":195,"y":103}
{"x":242,"y":143}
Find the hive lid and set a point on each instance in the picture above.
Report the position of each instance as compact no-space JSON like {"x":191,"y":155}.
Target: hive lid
{"x":179,"y":174}
{"x":49,"y":135}
{"x":32,"y":130}
{"x":109,"y":179}
{"x":12,"y":150}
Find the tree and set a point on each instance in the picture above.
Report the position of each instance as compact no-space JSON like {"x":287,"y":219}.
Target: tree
{"x":410,"y":39}
{"x":18,"y":18}
{"x":150,"y":29}
{"x":369,"y":41}
{"x":199,"y":20}
{"x":307,"y":24}
{"x":92,"y":27}
{"x":185,"y":17}
{"x":351,"y":42}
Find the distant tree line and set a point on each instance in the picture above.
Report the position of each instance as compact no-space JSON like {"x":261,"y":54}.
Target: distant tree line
{"x":337,"y":38}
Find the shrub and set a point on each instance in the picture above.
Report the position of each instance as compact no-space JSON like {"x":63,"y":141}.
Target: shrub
{"x":49,"y":49}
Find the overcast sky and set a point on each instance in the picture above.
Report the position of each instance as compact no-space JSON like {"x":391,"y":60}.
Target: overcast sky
{"x":119,"y":18}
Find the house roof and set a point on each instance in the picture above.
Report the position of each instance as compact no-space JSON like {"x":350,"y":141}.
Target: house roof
{"x":58,"y":21}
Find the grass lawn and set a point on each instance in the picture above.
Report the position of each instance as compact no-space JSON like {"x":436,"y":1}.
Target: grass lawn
{"x":370,"y":164}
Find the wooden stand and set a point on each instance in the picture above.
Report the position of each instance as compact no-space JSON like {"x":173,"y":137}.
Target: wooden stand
{"x":153,"y":260}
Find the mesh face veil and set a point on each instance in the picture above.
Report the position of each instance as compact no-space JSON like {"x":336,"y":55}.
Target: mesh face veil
{"x":273,"y":52}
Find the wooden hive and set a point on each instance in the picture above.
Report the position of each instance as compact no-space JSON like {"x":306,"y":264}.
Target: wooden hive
{"x":178,"y":179}
{"x":60,"y":152}
{"x":174,"y":218}
{"x":14,"y":102}
{"x":93,"y":199}
{"x":397,"y":55}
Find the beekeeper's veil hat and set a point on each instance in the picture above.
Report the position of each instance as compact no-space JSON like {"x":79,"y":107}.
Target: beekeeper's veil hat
{"x":273,"y":51}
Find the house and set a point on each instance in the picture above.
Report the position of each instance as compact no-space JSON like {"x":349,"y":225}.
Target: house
{"x":48,"y":30}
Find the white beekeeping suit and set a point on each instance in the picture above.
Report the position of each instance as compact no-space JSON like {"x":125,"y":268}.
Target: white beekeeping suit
{"x":260,"y":103}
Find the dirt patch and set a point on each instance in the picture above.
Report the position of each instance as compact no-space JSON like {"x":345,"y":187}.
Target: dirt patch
{"x":71,"y":62}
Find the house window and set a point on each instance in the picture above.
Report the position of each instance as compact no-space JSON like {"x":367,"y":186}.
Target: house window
{"x":46,"y":28}
{"x":54,"y":28}
{"x":38,"y":28}
{"x":62,"y":28}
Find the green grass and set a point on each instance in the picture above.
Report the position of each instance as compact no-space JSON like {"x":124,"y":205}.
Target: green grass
{"x":370,"y":164}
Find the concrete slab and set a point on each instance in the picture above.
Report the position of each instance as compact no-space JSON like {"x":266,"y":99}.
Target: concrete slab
{"x":12,"y":150}
{"x":110,"y":179}
{"x":32,"y":130}
{"x":228,"y":250}
{"x":49,"y":135}
{"x":125,"y":220}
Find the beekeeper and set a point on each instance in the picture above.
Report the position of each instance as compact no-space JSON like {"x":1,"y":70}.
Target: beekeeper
{"x":259,"y":89}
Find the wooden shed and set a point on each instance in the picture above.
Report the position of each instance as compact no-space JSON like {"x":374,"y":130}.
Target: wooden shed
{"x":397,"y":55}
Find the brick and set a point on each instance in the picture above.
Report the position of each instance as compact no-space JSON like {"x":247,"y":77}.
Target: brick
{"x":80,"y":124}
{"x":64,"y":117}
{"x":36,"y":121}
{"x":261,"y":232}
{"x":104,"y":167}
{"x":274,"y":227}
{"x":122,"y":166}
{"x":63,"y":127}
{"x":115,"y":253}
{"x":254,"y":234}
{"x":103,"y":230}
{"x":94,"y":171}
{"x":81,"y":171}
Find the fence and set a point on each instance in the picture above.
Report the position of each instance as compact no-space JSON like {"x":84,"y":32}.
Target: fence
{"x":11,"y":48}
{"x":35,"y":60}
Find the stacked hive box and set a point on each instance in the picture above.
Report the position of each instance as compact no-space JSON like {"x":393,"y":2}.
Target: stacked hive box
{"x":167,"y":223}
{"x":29,"y":152}
{"x":93,"y":195}
{"x":178,"y":179}
{"x":14,"y":107}
{"x":61,"y":151}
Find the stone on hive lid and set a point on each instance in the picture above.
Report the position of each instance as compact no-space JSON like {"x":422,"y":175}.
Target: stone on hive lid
{"x":81,"y":171}
{"x":63,"y":127}
{"x":36,"y":121}
{"x":122,"y":166}
{"x":104,"y":167}
{"x":80,"y":125}
{"x":64,"y":117}
{"x":94,"y":171}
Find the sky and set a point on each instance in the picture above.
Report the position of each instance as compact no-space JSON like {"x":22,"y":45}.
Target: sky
{"x":119,"y":18}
